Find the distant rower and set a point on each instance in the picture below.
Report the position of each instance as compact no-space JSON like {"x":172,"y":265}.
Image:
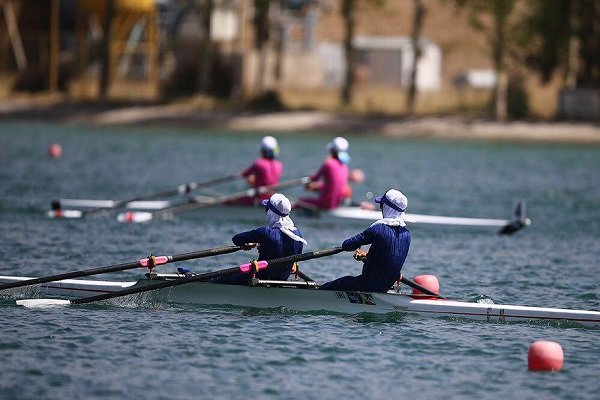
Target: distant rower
{"x":264,"y":171}
{"x":331,"y":180}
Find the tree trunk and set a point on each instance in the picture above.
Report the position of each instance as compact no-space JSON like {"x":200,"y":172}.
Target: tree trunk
{"x":348,"y":7}
{"x":105,"y":74}
{"x":207,"y":51}
{"x":501,"y":89}
{"x":279,"y":49}
{"x":261,"y":40}
{"x":12,"y":27}
{"x":418,"y":17}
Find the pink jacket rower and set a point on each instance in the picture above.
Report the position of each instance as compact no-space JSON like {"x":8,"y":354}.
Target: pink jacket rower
{"x":334,"y":178}
{"x":265,"y":171}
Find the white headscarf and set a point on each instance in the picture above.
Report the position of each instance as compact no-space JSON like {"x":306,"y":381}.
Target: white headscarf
{"x":393,"y":203}
{"x":340,"y":146}
{"x":269,"y":144}
{"x":278,"y":210}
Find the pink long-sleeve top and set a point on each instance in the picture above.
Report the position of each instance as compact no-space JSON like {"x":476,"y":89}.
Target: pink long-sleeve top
{"x":266,"y":172}
{"x":334,"y":176}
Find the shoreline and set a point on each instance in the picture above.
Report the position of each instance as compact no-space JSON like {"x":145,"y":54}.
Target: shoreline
{"x":187,"y":116}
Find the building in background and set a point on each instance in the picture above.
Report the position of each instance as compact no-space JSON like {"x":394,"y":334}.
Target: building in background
{"x":158,"y":49}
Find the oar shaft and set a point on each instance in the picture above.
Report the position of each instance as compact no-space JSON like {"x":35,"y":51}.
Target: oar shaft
{"x":71,"y":275}
{"x":422,"y":289}
{"x":122,"y":267}
{"x":206,"y":276}
{"x":205,"y":253}
{"x":305,"y":256}
{"x":228,"y":198}
{"x":181,"y":189}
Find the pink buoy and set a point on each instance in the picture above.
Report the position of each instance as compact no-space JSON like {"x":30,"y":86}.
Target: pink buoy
{"x":55,"y":150}
{"x":545,"y":355}
{"x":427,"y":281}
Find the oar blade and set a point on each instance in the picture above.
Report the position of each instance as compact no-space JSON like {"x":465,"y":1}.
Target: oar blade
{"x":131,"y":217}
{"x":42,"y":303}
{"x":65,"y":214}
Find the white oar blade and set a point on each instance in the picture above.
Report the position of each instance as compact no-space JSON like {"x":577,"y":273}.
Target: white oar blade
{"x":149,"y":204}
{"x":134,"y":216}
{"x":40,"y":303}
{"x":65,"y":214}
{"x":86,"y":203}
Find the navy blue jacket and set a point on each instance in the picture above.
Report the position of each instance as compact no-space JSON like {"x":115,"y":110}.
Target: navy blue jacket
{"x":389,"y":248}
{"x":272,"y":244}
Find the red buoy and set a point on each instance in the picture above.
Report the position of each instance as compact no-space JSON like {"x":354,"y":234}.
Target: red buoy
{"x":427,"y":281}
{"x":545,"y":355}
{"x":55,"y":150}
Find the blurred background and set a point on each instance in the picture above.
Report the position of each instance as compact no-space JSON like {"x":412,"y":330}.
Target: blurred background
{"x":502,"y":59}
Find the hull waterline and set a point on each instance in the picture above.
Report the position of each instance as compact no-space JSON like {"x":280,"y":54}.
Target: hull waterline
{"x":303,"y":298}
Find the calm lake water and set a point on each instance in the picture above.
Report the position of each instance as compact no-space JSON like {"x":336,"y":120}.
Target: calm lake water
{"x":170,"y":351}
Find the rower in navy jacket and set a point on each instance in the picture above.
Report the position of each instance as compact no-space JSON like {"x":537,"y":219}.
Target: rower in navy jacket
{"x":280,"y":238}
{"x":390,"y":241}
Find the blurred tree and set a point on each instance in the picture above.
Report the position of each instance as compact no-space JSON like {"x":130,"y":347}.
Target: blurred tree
{"x":206,"y":64}
{"x":587,"y":28}
{"x":348,"y":12}
{"x":262,"y":27}
{"x":563,"y":36}
{"x":493,"y":18}
{"x":349,"y":8}
{"x":105,"y":49}
{"x":418,"y":17}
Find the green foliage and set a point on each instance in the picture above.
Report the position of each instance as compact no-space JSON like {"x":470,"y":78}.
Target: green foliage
{"x":518,"y":100}
{"x":552,"y":27}
{"x":545,"y":37}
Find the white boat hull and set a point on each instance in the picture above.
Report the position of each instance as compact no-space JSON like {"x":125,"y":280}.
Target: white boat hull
{"x":310,"y":299}
{"x":338,"y":215}
{"x":243,"y":213}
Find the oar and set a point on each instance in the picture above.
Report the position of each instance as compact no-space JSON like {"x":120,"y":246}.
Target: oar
{"x":58,"y":212}
{"x":149,"y":262}
{"x":244,"y":268}
{"x":145,"y":216}
{"x":420,"y":288}
{"x":361,"y":256}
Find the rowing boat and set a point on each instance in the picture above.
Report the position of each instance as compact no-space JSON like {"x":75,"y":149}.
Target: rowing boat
{"x":140,"y":211}
{"x":346,"y":214}
{"x":302,"y":296}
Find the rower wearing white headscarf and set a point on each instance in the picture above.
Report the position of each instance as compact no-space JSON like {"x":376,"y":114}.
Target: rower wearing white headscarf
{"x":280,"y":238}
{"x":389,"y":240}
{"x":393,"y":204}
{"x":278,"y":216}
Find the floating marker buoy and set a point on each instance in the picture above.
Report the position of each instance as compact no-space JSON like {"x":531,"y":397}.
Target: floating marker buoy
{"x":55,"y":150}
{"x":545,"y":355}
{"x":427,"y":281}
